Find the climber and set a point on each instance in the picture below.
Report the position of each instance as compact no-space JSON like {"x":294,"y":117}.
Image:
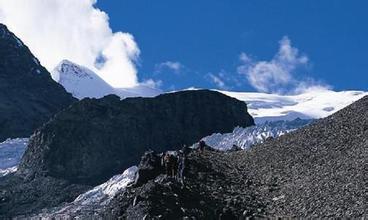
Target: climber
{"x":202,"y":146}
{"x":170,"y":162}
{"x":185,"y":150}
{"x":181,"y":167}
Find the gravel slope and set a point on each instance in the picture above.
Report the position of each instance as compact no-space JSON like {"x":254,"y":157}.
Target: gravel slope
{"x":318,"y":171}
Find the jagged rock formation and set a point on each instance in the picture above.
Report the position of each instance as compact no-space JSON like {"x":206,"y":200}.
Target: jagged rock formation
{"x":28,"y":95}
{"x":96,"y":139}
{"x":316,"y":171}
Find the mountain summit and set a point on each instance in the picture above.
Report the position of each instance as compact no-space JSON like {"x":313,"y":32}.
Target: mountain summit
{"x":28,"y":95}
{"x":84,"y":83}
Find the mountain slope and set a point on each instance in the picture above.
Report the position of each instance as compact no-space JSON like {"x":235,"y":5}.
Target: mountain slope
{"x":84,"y":83}
{"x":28,"y":95}
{"x":317,"y":171}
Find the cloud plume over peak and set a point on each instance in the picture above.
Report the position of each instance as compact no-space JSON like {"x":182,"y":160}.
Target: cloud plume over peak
{"x":75,"y":30}
{"x":279,"y":75}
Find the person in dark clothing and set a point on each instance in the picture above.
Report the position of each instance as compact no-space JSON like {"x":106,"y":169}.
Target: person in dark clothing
{"x":186,"y":150}
{"x":181,"y":167}
{"x":170,"y":163}
{"x":202,"y":146}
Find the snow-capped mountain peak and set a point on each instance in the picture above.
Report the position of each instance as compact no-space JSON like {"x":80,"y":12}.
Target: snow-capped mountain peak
{"x":66,"y":67}
{"x":82,"y":82}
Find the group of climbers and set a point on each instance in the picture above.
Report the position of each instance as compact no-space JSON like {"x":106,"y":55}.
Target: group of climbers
{"x":174,"y":162}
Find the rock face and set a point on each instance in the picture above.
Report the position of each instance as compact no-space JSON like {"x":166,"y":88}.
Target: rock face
{"x":24,"y":197}
{"x":319,"y":171}
{"x":28,"y":95}
{"x":97,"y":138}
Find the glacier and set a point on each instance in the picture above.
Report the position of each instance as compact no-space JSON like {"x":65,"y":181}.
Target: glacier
{"x":311,"y":104}
{"x":246,"y":137}
{"x":11,"y":151}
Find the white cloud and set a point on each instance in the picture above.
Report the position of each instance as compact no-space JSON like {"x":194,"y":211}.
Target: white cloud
{"x":279,"y":74}
{"x":174,"y":66}
{"x":152,"y":83}
{"x":218,"y":80}
{"x":75,"y":30}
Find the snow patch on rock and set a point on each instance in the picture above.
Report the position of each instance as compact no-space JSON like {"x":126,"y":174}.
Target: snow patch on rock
{"x":4,"y":172}
{"x":103,"y":193}
{"x":94,"y":199}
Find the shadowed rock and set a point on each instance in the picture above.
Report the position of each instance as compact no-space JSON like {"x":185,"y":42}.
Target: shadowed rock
{"x":97,"y":138}
{"x":28,"y":95}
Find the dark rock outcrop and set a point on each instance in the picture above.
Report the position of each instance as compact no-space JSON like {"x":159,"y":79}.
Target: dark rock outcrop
{"x":319,"y":171}
{"x":212,"y":187}
{"x":149,"y":167}
{"x":97,"y":138}
{"x":28,"y":95}
{"x":19,"y":197}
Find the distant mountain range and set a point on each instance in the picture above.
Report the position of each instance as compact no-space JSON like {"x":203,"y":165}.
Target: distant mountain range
{"x":313,"y":104}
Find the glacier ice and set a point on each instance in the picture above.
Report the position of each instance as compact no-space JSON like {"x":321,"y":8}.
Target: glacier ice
{"x":246,"y":137}
{"x":11,"y":151}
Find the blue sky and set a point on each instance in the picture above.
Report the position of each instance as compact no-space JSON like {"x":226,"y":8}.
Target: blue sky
{"x":207,"y":38}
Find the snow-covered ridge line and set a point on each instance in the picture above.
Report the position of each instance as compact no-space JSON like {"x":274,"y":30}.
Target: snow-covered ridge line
{"x":246,"y":137}
{"x":312,"y":104}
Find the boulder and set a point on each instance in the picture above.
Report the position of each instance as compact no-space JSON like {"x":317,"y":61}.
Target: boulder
{"x":149,"y":167}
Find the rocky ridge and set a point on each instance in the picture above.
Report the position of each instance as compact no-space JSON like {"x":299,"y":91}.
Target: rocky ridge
{"x":110,"y":134}
{"x":28,"y":95}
